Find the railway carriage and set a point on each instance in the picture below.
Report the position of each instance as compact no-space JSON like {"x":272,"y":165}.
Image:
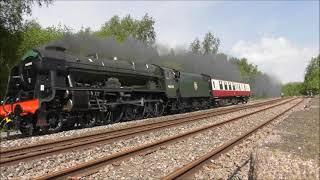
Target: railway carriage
{"x":224,"y":92}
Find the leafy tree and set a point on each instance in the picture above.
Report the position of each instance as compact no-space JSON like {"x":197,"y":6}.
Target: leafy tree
{"x":34,"y":35}
{"x":311,"y":81}
{"x":195,"y":46}
{"x":121,"y":29}
{"x":145,"y":31}
{"x":11,"y":17}
{"x":111,"y":28}
{"x":292,"y":89}
{"x":312,"y":76}
{"x":210,"y":44}
{"x":247,"y":70}
{"x":12,"y":11}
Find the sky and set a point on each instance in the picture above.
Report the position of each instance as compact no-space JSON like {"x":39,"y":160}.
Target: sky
{"x":279,"y":36}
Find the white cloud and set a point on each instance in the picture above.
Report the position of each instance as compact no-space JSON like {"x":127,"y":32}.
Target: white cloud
{"x":277,"y":56}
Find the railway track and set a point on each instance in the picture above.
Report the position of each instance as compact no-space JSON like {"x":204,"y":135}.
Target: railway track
{"x":12,"y":135}
{"x":24,"y":153}
{"x":35,"y":151}
{"x":93,"y":166}
{"x":188,"y":170}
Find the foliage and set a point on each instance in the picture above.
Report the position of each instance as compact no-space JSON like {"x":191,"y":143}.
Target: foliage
{"x":11,"y":17}
{"x":311,"y":81}
{"x":195,"y":46}
{"x":32,"y":35}
{"x":312,"y":76}
{"x":12,"y":11}
{"x":247,"y":70}
{"x":292,"y":89}
{"x":209,"y":45}
{"x":121,"y":29}
{"x":11,"y":21}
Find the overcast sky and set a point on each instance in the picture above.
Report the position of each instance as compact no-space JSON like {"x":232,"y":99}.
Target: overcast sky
{"x":280,"y":37}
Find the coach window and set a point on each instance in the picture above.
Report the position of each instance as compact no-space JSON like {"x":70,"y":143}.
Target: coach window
{"x":221,"y":86}
{"x":230,"y":86}
{"x":225,"y":86}
{"x":234,"y":87}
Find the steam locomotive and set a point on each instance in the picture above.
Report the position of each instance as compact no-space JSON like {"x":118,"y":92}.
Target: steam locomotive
{"x":51,"y":90}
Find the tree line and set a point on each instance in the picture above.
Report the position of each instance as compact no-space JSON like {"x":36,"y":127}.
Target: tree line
{"x":17,"y":36}
{"x":311,"y":83}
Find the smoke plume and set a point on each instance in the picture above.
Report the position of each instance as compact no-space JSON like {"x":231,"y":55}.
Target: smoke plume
{"x":218,"y":66}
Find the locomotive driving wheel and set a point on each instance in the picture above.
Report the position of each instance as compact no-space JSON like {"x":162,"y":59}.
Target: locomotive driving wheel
{"x":54,"y":122}
{"x":131,"y":112}
{"x":90,"y":119}
{"x":115,"y":115}
{"x":148,"y":110}
{"x":27,"y":128}
{"x":158,"y":109}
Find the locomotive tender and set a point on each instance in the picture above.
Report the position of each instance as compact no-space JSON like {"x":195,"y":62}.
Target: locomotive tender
{"x":51,"y":90}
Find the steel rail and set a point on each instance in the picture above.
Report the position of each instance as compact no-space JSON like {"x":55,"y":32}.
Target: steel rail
{"x":93,"y":166}
{"x":25,"y":153}
{"x":187,"y":171}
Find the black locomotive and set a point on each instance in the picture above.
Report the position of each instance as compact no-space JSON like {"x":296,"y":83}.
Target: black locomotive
{"x":51,"y":90}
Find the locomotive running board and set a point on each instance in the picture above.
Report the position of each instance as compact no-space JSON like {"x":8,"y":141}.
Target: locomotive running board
{"x":108,"y":89}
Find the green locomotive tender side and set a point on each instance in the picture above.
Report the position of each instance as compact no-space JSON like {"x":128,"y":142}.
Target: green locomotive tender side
{"x":194,"y":85}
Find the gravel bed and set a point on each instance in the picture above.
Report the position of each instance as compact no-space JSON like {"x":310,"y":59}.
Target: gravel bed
{"x":292,"y":150}
{"x":237,"y":163}
{"x":156,"y":164}
{"x":55,"y":162}
{"x":80,"y":132}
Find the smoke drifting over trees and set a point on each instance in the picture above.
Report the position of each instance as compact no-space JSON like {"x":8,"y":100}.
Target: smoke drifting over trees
{"x":217,"y":65}
{"x":134,"y":40}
